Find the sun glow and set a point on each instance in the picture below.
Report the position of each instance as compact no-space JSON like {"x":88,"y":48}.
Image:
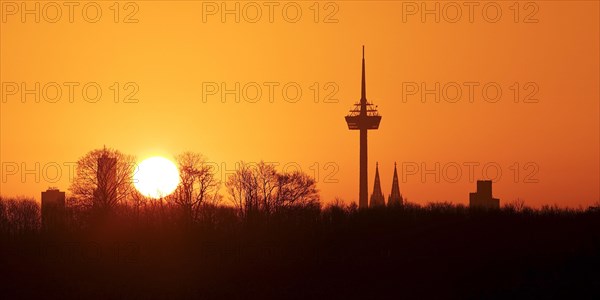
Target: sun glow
{"x":156,"y":177}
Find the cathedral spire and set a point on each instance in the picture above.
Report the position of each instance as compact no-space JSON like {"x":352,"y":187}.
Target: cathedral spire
{"x":377,"y":198}
{"x":395,"y":198}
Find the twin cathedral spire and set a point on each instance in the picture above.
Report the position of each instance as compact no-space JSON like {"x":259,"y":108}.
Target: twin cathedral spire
{"x":377,"y":198}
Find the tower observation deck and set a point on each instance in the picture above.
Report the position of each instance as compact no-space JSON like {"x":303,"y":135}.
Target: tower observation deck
{"x":363,"y":117}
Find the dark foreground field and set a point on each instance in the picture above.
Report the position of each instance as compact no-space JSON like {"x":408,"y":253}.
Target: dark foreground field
{"x":437,"y":252}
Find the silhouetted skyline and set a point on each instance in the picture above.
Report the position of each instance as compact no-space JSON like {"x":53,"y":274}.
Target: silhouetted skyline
{"x":195,"y":150}
{"x":188,"y":88}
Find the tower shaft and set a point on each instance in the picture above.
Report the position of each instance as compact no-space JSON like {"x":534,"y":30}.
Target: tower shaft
{"x":363,"y":200}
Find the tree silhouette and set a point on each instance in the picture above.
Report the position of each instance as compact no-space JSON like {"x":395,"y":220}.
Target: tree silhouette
{"x":103,"y":179}
{"x":19,"y":216}
{"x":241,"y":187}
{"x":517,"y":205}
{"x":197,"y":186}
{"x":260,"y":188}
{"x":296,"y":189}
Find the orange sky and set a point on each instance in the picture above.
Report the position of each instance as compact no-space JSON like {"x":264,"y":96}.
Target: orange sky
{"x":177,"y":48}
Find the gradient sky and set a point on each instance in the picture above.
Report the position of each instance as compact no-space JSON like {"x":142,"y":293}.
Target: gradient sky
{"x":547,"y":151}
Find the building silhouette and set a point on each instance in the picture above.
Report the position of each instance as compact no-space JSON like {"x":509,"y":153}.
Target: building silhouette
{"x":395,"y":198}
{"x":363,"y":117}
{"x":483,"y":197}
{"x":53,"y":209}
{"x":377,"y":198}
{"x":106,"y":175}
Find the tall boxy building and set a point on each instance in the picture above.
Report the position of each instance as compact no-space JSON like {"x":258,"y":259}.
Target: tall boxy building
{"x":106,"y":192}
{"x":53,"y":209}
{"x":483,"y":197}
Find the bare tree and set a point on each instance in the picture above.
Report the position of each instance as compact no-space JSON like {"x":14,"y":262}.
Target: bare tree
{"x":242,"y":188}
{"x":3,"y":216}
{"x":197,"y":186}
{"x":262,"y":189}
{"x":266,"y":178}
{"x":296,"y":189}
{"x":19,"y":215}
{"x":517,"y":205}
{"x":104,"y":178}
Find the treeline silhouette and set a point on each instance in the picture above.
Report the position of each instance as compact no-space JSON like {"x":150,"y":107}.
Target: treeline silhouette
{"x":150,"y":249}
{"x":104,"y":181}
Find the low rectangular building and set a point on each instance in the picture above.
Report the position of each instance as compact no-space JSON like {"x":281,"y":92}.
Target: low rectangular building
{"x":483,"y":197}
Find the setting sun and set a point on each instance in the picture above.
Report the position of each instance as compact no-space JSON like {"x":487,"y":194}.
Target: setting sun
{"x":156,"y":177}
